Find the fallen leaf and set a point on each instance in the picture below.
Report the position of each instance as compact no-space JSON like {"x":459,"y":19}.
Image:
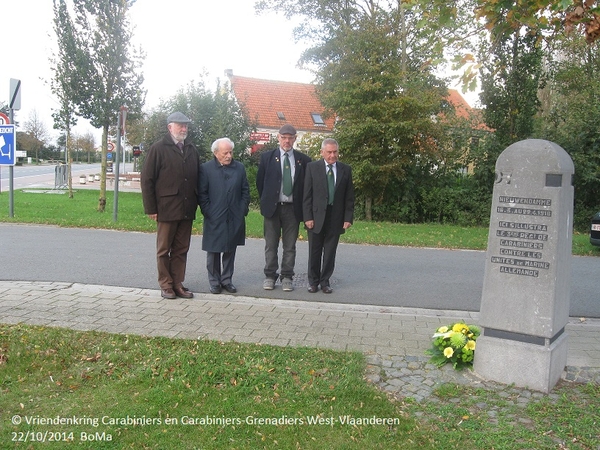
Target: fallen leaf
{"x":94,"y":358}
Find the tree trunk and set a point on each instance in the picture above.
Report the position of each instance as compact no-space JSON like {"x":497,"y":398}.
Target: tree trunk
{"x":403,"y":42}
{"x":368,"y":209}
{"x":102,"y":198}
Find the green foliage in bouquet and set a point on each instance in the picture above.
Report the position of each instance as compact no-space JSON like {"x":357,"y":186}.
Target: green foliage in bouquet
{"x":454,"y":344}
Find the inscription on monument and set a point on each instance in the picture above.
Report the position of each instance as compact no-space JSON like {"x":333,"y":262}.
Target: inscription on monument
{"x":519,"y":239}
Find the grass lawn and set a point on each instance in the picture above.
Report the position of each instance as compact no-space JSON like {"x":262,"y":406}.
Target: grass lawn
{"x":123,"y":391}
{"x":193,"y":394}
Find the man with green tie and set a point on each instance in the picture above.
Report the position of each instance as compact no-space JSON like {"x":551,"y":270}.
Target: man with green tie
{"x":280,"y":184}
{"x":328,"y":212}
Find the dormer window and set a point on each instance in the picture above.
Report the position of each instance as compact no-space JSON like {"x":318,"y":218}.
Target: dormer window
{"x":280,"y":115}
{"x":317,"y":119}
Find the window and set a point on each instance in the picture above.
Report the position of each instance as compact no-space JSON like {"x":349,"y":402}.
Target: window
{"x":317,"y":119}
{"x":280,"y":115}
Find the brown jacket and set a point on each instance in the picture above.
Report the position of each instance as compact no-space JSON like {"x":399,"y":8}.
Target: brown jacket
{"x":169,"y":180}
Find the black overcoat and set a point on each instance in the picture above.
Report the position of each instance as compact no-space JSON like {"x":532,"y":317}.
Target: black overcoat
{"x":224,"y":198}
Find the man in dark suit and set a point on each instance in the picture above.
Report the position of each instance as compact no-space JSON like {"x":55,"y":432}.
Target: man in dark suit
{"x":328,"y":212}
{"x":280,"y":184}
{"x":169,"y":180}
{"x":223,"y":196}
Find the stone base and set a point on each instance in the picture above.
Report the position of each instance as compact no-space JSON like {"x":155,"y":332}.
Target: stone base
{"x":532,"y":366}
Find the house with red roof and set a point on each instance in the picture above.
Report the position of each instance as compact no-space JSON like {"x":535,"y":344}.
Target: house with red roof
{"x":269,"y":104}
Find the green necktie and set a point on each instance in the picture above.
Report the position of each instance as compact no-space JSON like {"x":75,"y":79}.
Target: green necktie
{"x":330,"y":184}
{"x":287,"y":175}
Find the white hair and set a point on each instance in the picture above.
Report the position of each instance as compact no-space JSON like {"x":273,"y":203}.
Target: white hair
{"x":215,"y":145}
{"x":329,"y":141}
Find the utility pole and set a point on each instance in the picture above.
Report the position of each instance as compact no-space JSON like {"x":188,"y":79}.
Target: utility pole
{"x":120,"y":132}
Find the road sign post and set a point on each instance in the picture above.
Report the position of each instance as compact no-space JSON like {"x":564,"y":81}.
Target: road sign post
{"x":14,"y":104}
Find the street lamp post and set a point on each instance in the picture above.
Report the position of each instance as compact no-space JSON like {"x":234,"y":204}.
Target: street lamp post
{"x":120,"y":131}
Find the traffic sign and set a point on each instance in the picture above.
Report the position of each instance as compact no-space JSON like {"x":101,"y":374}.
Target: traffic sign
{"x":7,"y":145}
{"x":111,"y":147}
{"x":109,"y":156}
{"x":15,"y":94}
{"x":4,"y":120}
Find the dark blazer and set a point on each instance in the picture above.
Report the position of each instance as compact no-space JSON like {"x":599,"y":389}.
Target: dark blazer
{"x":169,"y":180}
{"x":268,"y":182}
{"x":223,"y":196}
{"x":315,"y":196}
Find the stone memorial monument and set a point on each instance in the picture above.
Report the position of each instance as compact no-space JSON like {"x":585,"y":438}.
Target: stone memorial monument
{"x":526,"y":289}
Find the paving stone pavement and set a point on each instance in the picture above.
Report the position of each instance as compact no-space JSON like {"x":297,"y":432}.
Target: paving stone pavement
{"x":393,"y":339}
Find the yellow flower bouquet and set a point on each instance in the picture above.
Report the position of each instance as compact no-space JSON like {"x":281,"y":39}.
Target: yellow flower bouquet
{"x":454,"y":344}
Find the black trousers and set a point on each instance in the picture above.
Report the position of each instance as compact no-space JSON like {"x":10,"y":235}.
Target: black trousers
{"x":220,"y":267}
{"x":321,"y":252}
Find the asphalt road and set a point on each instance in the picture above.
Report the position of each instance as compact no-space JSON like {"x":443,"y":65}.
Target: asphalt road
{"x":372,"y":275}
{"x":41,"y":176}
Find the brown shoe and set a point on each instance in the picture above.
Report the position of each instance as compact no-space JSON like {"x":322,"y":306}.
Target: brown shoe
{"x":326,"y":289}
{"x":183,"y":292}
{"x":168,"y":293}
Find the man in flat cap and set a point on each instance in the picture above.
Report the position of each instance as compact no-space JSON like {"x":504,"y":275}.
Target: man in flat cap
{"x":169,"y":180}
{"x":280,"y":184}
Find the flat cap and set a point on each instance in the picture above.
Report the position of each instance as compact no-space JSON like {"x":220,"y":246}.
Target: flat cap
{"x":178,"y":117}
{"x":287,"y":129}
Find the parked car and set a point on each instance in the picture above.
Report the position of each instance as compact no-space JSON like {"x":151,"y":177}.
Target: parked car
{"x":595,"y":230}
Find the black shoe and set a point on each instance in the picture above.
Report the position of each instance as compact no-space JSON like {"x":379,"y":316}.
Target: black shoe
{"x":313,"y":288}
{"x":215,"y":289}
{"x":326,"y":289}
{"x":229,"y":288}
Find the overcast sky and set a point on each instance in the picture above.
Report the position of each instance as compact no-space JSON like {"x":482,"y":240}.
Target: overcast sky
{"x":204,"y":34}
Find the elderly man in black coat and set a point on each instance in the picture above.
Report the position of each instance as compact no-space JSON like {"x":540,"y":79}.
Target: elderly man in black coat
{"x":224,"y":198}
